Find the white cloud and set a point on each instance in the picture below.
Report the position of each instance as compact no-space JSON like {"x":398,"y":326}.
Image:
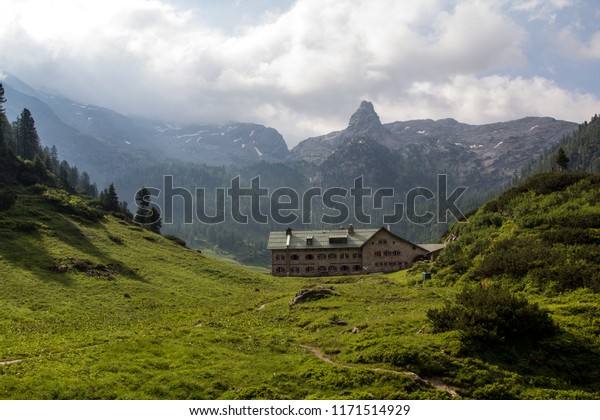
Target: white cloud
{"x":479,"y":100}
{"x":303,"y":71}
{"x":543,"y":10}
{"x":570,"y":45}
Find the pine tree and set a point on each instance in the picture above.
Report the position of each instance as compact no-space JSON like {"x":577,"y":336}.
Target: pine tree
{"x":94,"y":190}
{"x":39,"y":169}
{"x":74,"y":177}
{"x":84,"y":184}
{"x":561,"y":159}
{"x":46,"y":158}
{"x":26,"y":140}
{"x":147,"y":214}
{"x":5,"y":128}
{"x":143,"y":206}
{"x":110,"y":200}
{"x":63,"y":175}
{"x":155,"y":220}
{"x":55,"y":161}
{"x":2,"y":99}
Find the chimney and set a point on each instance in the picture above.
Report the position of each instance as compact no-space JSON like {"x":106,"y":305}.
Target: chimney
{"x":350,"y":229}
{"x":288,"y":236}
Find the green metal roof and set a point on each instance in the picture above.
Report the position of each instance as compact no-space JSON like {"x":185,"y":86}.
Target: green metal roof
{"x":432,"y":247}
{"x":320,"y":239}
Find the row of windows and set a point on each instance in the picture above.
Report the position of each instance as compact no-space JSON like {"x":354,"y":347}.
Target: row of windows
{"x":390,"y":264}
{"x":331,"y":256}
{"x":386,"y":253}
{"x":321,"y":269}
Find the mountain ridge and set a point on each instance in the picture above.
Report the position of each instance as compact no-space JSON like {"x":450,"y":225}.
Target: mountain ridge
{"x":131,"y":141}
{"x":482,"y":156}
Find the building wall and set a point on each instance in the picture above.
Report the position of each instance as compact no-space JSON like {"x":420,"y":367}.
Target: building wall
{"x":313,"y":262}
{"x":384,"y":252}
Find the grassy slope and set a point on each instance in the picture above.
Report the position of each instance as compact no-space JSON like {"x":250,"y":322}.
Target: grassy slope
{"x":190,"y":328}
{"x":197,"y":328}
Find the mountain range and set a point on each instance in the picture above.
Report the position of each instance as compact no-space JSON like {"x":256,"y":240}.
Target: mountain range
{"x":478,"y":156}
{"x":109,"y":145}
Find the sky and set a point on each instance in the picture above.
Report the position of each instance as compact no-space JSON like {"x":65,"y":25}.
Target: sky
{"x":304,"y":66}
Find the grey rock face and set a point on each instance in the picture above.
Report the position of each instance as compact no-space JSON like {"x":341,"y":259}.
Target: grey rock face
{"x":480,"y":156}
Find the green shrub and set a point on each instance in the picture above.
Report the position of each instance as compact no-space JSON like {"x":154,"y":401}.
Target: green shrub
{"x":492,"y":315}
{"x":26,"y":226}
{"x":116,"y":239}
{"x":177,"y":240}
{"x":73,"y":204}
{"x":514,"y":256}
{"x":7,"y":199}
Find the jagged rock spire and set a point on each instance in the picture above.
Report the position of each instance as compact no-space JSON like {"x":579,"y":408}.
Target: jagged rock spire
{"x":364,"y":119}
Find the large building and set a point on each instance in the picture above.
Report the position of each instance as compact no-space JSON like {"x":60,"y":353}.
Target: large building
{"x":343,"y":251}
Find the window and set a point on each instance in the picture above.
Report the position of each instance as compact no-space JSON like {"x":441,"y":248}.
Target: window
{"x":295,"y":270}
{"x":309,"y":257}
{"x":357,"y":267}
{"x":309,"y":269}
{"x":280,"y":270}
{"x":344,"y":256}
{"x":386,"y":253}
{"x":279,"y":257}
{"x":357,"y":255}
{"x":396,"y":253}
{"x":321,"y":256}
{"x":295,"y":257}
{"x":332,"y":268}
{"x":322,"y":269}
{"x":382,"y":241}
{"x":332,"y":256}
{"x":338,"y":239}
{"x":344,"y":268}
{"x":377,"y":253}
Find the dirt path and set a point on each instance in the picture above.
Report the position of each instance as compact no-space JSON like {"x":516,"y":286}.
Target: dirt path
{"x":88,"y":346}
{"x":10,"y":362}
{"x":433,"y":382}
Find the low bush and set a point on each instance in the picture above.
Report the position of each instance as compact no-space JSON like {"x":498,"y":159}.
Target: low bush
{"x":73,"y":204}
{"x":7,"y":199}
{"x":177,"y":240}
{"x":492,"y":315}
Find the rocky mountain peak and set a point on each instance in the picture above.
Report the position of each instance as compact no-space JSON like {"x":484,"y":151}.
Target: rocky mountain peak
{"x":364,"y":119}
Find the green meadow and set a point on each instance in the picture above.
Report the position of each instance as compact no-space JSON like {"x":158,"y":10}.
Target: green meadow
{"x":96,"y":307}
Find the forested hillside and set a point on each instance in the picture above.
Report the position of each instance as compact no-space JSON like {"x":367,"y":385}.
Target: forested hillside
{"x":582,"y":149}
{"x":542,"y":236}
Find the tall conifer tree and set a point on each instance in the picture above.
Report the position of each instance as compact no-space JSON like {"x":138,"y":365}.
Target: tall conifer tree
{"x":26,"y":142}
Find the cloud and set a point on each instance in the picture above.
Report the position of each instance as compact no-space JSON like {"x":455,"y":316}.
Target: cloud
{"x":302,"y":71}
{"x":543,"y":10}
{"x":570,"y":45}
{"x":479,"y":100}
